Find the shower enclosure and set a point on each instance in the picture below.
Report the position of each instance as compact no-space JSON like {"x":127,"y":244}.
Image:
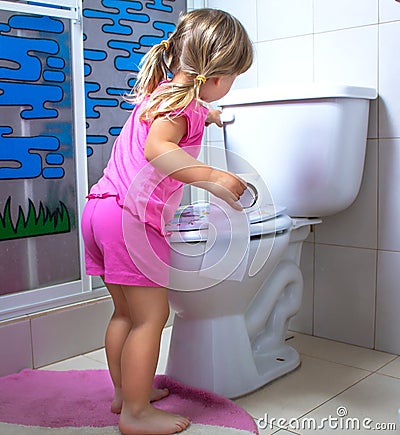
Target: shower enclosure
{"x":64,"y":67}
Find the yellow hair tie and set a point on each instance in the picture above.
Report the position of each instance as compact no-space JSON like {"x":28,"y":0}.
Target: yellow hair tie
{"x":165,"y":44}
{"x":201,"y":78}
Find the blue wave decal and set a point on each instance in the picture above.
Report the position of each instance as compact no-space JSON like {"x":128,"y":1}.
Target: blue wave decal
{"x":130,"y":62}
{"x":124,"y":30}
{"x":21,"y":53}
{"x":92,"y":103}
{"x":34,"y":84}
{"x":35,"y":96}
{"x":37,"y":23}
{"x":163,"y":27}
{"x":158,"y":5}
{"x":24,"y":157}
{"x":122,"y":14}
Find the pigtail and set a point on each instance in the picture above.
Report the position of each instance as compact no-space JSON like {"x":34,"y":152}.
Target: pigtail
{"x":199,"y":80}
{"x":152,"y":71}
{"x":168,"y":100}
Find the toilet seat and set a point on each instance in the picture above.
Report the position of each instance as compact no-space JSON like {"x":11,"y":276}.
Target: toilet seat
{"x":190,"y":222}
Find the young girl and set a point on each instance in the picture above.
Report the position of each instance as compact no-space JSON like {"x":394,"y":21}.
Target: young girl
{"x":196,"y":65}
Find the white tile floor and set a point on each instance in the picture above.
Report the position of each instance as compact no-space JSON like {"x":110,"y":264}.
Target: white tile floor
{"x":337,"y":388}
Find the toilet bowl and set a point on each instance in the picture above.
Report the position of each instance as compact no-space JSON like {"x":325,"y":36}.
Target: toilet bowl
{"x":235,"y":280}
{"x":216,"y":342}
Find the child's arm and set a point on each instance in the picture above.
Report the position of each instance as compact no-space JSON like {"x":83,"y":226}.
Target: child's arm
{"x":162,"y":150}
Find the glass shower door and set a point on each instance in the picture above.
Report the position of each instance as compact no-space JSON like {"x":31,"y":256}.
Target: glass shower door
{"x":42,"y":155}
{"x":64,"y":68}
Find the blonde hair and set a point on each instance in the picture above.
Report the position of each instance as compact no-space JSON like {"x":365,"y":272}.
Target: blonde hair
{"x":206,"y":43}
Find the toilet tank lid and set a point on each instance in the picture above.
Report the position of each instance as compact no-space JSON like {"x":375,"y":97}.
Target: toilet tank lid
{"x":302,"y":91}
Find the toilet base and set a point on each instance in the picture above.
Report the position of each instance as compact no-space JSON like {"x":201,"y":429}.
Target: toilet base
{"x":216,"y":355}
{"x":279,"y":362}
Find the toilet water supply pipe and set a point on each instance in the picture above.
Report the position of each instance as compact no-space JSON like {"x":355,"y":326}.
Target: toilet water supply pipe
{"x":265,"y":331}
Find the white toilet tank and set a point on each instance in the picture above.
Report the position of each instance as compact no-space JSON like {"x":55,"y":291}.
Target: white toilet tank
{"x":307,"y":142}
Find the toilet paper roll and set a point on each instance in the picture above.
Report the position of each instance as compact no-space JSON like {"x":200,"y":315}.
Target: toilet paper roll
{"x":227,"y":247}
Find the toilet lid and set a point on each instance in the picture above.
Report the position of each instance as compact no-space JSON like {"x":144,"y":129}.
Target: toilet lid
{"x":190,"y":222}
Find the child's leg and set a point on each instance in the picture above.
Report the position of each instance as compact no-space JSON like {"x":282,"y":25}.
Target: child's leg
{"x":149,"y":309}
{"x":118,"y":329}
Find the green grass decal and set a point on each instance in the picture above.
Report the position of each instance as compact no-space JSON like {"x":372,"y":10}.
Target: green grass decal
{"x":36,"y":223}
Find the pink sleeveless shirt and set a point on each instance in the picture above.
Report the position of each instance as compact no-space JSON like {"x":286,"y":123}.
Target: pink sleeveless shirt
{"x":147,"y":193}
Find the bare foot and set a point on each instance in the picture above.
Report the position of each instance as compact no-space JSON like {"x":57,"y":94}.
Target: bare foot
{"x":156,"y":394}
{"x":116,"y":404}
{"x":151,"y":421}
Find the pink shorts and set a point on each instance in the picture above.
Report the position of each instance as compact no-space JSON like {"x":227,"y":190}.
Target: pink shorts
{"x":120,"y":248}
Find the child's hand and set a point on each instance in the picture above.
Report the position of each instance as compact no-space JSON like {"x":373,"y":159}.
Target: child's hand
{"x":226,"y":186}
{"x":214,"y":117}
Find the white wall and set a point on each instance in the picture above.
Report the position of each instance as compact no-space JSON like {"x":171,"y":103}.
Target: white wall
{"x":351,"y":263}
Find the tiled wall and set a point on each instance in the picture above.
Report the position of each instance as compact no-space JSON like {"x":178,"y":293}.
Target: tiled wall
{"x":351,"y":263}
{"x":44,"y":338}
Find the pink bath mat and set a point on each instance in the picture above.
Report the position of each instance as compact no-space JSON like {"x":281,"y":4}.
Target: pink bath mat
{"x":79,"y":398}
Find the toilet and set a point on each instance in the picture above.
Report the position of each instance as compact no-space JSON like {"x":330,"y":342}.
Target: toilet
{"x":235,"y":280}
